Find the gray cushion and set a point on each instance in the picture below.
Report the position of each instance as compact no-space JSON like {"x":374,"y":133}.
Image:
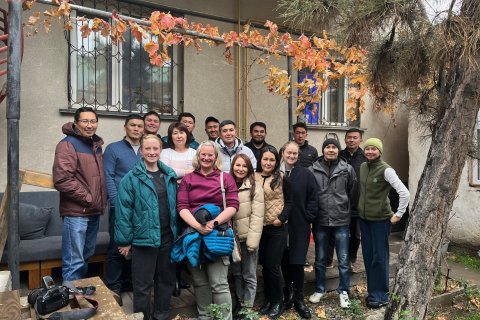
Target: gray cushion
{"x":32,"y":221}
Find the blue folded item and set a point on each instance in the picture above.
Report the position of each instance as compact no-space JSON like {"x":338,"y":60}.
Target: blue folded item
{"x":219,"y":243}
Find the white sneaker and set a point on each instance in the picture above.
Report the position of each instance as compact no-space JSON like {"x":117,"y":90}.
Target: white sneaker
{"x":315,"y":297}
{"x":344,"y":300}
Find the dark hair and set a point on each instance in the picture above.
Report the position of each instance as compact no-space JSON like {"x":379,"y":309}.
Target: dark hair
{"x":354,"y":130}
{"x":259,"y":124}
{"x":299,"y":125}
{"x":250,"y":173}
{"x":180,"y":127}
{"x":226,"y":123}
{"x":149,"y":113}
{"x":186,"y":115}
{"x":211,"y":119}
{"x":76,"y":117}
{"x":277,"y":178}
{"x":133,"y":116}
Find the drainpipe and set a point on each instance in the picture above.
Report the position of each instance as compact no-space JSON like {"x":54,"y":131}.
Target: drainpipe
{"x":13,"y":118}
{"x":290,"y":99}
{"x":238,"y":107}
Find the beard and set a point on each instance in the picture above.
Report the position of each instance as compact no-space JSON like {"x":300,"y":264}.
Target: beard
{"x":258,"y":140}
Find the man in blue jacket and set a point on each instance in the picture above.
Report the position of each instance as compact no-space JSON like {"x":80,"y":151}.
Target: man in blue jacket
{"x":119,"y":158}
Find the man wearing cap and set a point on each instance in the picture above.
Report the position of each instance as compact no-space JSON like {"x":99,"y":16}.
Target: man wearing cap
{"x":377,"y":178}
{"x":212,"y":128}
{"x":336,"y":181}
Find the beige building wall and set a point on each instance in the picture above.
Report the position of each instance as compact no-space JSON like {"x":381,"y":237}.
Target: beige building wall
{"x":210,"y":88}
{"x":464,"y":222}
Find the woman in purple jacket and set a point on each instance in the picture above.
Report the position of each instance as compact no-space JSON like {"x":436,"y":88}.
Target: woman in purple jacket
{"x":200,"y":187}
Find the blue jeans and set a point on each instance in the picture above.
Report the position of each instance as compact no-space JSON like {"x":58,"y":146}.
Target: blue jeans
{"x":245,"y":276}
{"x":78,"y":244}
{"x":342,"y":238}
{"x":376,"y":256}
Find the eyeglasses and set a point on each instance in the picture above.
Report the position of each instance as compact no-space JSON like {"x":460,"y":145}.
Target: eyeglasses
{"x":86,"y":121}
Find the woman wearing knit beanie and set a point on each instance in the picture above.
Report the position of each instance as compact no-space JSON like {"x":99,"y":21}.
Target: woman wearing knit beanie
{"x":376,"y":219}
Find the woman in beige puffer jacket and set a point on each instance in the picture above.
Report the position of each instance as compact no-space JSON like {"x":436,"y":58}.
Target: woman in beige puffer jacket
{"x":248,"y":223}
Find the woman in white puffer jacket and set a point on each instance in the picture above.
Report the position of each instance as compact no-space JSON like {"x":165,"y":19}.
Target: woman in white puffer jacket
{"x":248,"y":223}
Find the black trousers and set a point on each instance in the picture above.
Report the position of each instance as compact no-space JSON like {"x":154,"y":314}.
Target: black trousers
{"x":151,"y":267}
{"x":118,"y":271}
{"x":293,"y":273}
{"x":272,"y":246}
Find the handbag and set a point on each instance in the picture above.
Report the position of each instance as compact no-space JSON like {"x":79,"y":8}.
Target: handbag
{"x":237,"y":251}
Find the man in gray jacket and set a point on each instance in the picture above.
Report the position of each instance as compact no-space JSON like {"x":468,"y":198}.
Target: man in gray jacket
{"x":336,"y":180}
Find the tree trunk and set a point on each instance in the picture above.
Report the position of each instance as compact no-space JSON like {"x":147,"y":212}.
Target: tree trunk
{"x":419,"y":256}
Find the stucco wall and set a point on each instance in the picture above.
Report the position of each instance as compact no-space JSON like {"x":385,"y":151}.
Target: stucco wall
{"x":464,"y":222}
{"x":210,"y":88}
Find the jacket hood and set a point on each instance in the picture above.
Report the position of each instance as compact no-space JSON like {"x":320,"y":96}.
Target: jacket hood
{"x":237,"y":146}
{"x":341,"y":166}
{"x":69,"y":129}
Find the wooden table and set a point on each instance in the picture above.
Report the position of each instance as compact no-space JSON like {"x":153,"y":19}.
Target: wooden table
{"x":108,"y":308}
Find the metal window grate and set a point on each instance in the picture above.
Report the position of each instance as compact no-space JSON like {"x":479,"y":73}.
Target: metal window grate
{"x":120,"y":78}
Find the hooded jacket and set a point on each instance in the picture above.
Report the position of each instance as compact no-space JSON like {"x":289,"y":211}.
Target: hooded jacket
{"x":238,"y":147}
{"x":137,"y":219}
{"x":334,"y":192}
{"x":78,"y":174}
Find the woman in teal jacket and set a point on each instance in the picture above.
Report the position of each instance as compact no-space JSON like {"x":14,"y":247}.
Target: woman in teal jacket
{"x":146,"y":225}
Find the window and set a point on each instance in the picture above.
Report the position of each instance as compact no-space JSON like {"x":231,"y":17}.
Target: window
{"x":474,"y":164}
{"x":113,"y":78}
{"x":331,"y":109}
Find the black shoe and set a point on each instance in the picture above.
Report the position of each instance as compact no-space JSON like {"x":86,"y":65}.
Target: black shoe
{"x":376,"y":304}
{"x":276,"y":310}
{"x":302,"y":309}
{"x":184,"y":285}
{"x":288,"y":297}
{"x":265,"y":309}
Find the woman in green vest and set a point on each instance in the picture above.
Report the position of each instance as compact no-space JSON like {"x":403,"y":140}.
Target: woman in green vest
{"x":376,"y":218}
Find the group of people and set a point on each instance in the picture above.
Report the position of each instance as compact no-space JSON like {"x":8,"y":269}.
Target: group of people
{"x":165,"y":190}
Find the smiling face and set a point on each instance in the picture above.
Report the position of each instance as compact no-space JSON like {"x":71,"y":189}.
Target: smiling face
{"x":330,"y":152}
{"x":228,"y":133}
{"x":87,"y":124}
{"x":151,"y":149}
{"x":240,"y":169}
{"x":179,"y":138}
{"x":268,"y":163}
{"x":258,"y":134}
{"x":207,"y":158}
{"x":212,"y":129}
{"x":371,"y":153}
{"x":290,"y":155}
{"x":152,"y":124}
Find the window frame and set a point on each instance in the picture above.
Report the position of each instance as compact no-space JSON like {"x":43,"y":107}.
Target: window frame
{"x":115,"y":94}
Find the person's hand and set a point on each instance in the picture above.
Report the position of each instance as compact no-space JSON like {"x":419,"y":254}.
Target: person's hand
{"x":394,"y":219}
{"x":277,"y":223}
{"x":211,"y":224}
{"x":124,"y":250}
{"x":204,"y":229}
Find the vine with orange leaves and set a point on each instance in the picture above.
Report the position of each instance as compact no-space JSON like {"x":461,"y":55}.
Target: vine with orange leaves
{"x":322,"y":56}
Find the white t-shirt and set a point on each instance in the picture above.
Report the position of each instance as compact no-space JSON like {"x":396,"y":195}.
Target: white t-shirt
{"x":180,"y":162}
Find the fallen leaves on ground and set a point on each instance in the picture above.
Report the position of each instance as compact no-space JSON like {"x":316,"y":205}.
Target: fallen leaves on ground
{"x":320,"y":312}
{"x":360,"y":288}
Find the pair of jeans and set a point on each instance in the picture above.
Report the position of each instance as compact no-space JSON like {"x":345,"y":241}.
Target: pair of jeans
{"x":245,"y":276}
{"x":376,"y":256}
{"x":320,"y":236}
{"x":272,"y":247}
{"x":79,"y":237}
{"x":211,"y":286}
{"x":151,"y":267}
{"x":117,"y":269}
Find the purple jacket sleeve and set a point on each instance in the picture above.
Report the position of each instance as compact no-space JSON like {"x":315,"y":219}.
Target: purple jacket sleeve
{"x":231,"y":191}
{"x":182,"y":194}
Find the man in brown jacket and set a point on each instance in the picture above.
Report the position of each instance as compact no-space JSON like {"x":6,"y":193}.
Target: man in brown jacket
{"x":79,"y":177}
